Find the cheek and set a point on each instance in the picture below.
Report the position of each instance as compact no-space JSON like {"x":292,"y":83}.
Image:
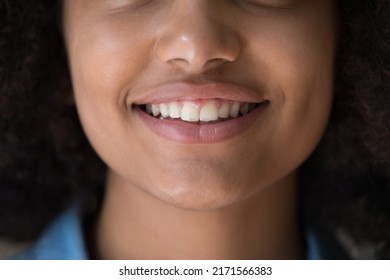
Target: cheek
{"x":297,"y":62}
{"x":307,"y":84}
{"x":103,"y":62}
{"x":105,"y":59}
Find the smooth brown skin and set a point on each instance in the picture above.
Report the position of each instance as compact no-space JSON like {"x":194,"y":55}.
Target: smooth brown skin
{"x":234,"y":199}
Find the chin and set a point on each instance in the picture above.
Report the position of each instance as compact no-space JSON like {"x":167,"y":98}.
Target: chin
{"x":201,"y":197}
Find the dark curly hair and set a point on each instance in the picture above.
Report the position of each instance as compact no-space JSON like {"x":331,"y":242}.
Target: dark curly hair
{"x":46,"y":162}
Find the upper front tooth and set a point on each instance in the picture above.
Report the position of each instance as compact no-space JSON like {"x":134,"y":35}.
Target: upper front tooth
{"x":174,"y":110}
{"x":189,"y":112}
{"x":209,"y":112}
{"x":235,"y":109}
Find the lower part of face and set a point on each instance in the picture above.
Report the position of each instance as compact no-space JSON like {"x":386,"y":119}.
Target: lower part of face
{"x":126,"y":56}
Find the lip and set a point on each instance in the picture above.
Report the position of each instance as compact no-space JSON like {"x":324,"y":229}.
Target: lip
{"x":199,"y":133}
{"x":186,"y":91}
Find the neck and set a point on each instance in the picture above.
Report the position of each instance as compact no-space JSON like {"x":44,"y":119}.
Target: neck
{"x":135,"y":225}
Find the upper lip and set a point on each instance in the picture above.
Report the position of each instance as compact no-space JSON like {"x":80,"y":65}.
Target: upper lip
{"x":180,"y":91}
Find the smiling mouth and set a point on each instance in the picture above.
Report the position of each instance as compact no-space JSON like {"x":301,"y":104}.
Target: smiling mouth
{"x":200,"y":111}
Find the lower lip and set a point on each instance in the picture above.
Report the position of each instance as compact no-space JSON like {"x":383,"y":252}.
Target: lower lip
{"x":194,"y":133}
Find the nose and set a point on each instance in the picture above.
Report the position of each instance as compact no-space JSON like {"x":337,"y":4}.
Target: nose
{"x":195,"y":39}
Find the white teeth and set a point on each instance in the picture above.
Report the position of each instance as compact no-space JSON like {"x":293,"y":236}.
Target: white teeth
{"x":155,"y":110}
{"x":164,"y":110}
{"x":189,"y":112}
{"x":244,"y":110}
{"x":235,"y":110}
{"x":224,"y":111}
{"x":174,"y":110}
{"x":193,"y":112}
{"x":209,"y":112}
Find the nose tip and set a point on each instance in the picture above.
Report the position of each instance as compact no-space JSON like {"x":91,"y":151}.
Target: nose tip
{"x":197,"y":44}
{"x":194,"y":55}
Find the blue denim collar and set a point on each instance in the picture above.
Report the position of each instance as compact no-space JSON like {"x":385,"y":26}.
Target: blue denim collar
{"x":62,"y":240}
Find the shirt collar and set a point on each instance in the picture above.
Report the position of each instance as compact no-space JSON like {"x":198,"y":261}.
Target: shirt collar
{"x":62,"y":240}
